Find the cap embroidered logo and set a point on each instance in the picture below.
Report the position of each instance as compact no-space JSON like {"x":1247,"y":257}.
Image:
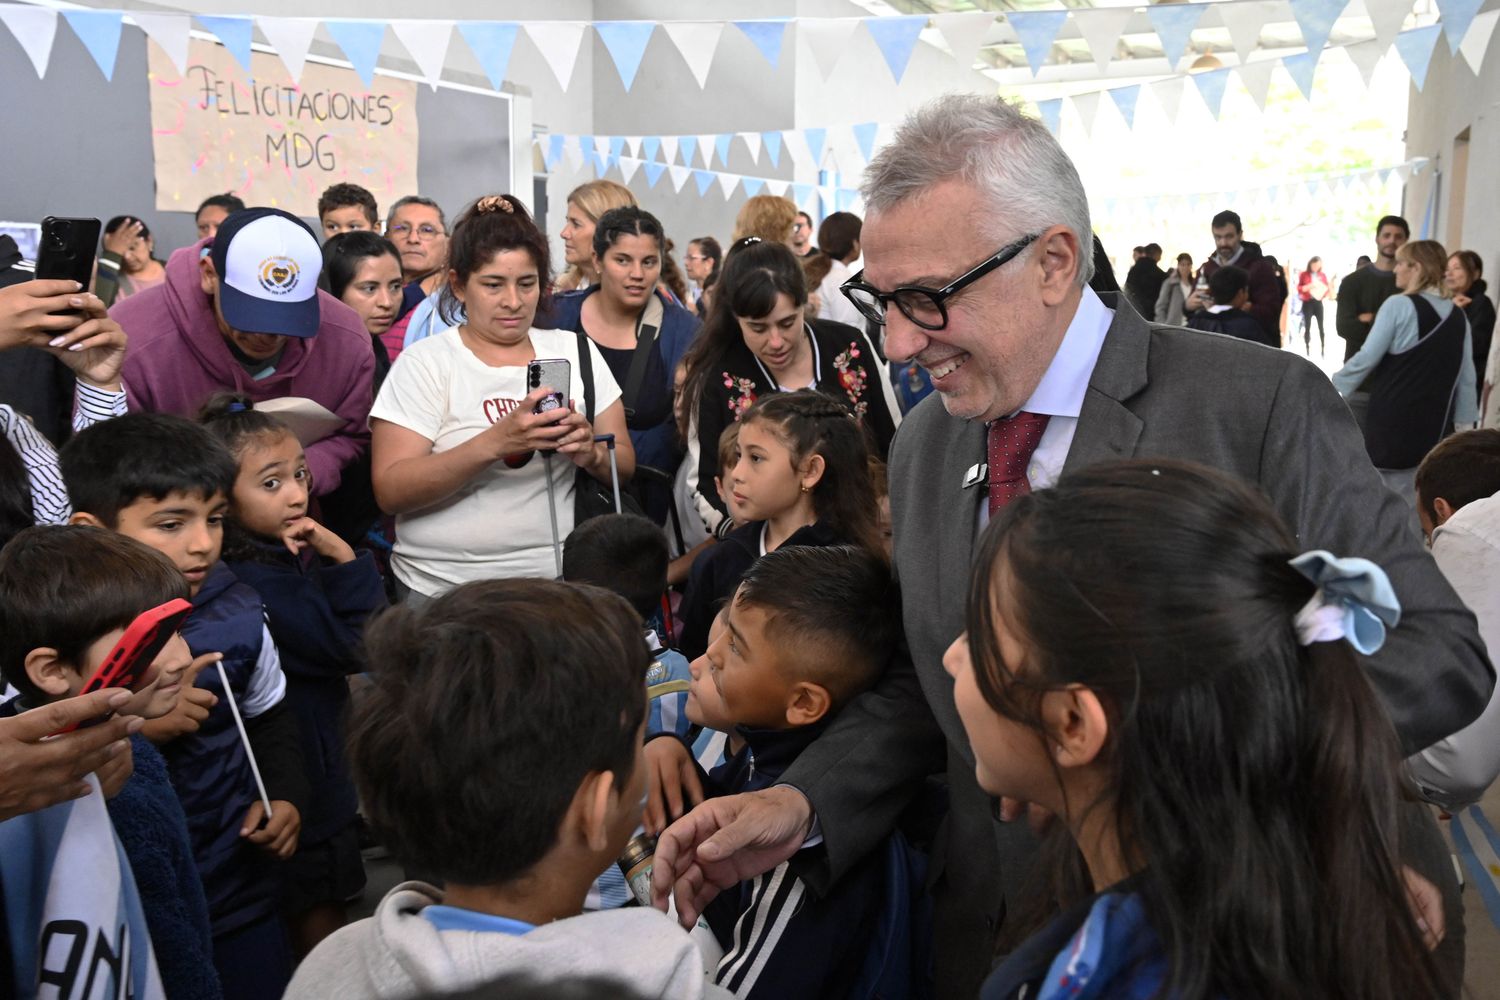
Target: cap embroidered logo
{"x":278,"y":275}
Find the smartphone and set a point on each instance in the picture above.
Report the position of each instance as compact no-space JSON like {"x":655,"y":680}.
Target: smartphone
{"x":67,"y":251}
{"x":126,"y":664}
{"x":555,"y":374}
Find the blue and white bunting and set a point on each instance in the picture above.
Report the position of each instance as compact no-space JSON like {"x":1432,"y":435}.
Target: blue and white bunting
{"x":815,"y":137}
{"x":171,"y":32}
{"x":291,"y":37}
{"x":1303,"y":67}
{"x":1316,"y":19}
{"x":767,"y":37}
{"x":654,"y":171}
{"x":234,"y":32}
{"x":1174,"y":24}
{"x":696,"y":42}
{"x":1415,"y":48}
{"x":1211,"y":88}
{"x":1050,"y":112}
{"x":753,"y":186}
{"x":1457,"y":16}
{"x":864,"y":135}
{"x":772,"y":141}
{"x":361,"y":41}
{"x":558,"y":42}
{"x":689,"y":146}
{"x":1126,"y":98}
{"x":34,"y":29}
{"x":721,"y":146}
{"x":802,"y":194}
{"x":704,"y":180}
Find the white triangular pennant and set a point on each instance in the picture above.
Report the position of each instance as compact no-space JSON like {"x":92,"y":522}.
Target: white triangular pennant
{"x":34,"y":28}
{"x":1387,"y":17}
{"x":628,"y":167}
{"x":1256,"y":77}
{"x":1168,"y":94}
{"x":601,"y":145}
{"x":778,"y":187}
{"x":574,"y":152}
{"x":1102,"y":27}
{"x":1244,"y":21}
{"x":827,"y":38}
{"x":706,"y":150}
{"x":171,"y":32}
{"x":427,"y":44}
{"x":752,"y":140}
{"x":727,"y":184}
{"x":1366,"y":56}
{"x":558,"y":42}
{"x":1477,"y":41}
{"x":1404,"y":172}
{"x":964,"y":32}
{"x":696,"y":41}
{"x":669,"y":149}
{"x":291,"y":37}
{"x":680,"y":175}
{"x":1087,"y":108}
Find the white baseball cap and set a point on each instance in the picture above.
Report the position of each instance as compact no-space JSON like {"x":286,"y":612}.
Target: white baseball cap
{"x":268,"y":263}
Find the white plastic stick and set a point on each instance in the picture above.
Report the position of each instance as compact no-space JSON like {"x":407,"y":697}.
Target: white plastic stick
{"x":239,"y":724}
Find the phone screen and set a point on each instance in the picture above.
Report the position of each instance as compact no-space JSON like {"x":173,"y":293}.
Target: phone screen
{"x":555,"y":374}
{"x":126,"y":663}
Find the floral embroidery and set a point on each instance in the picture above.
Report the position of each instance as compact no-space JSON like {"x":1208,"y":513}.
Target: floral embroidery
{"x":852,"y":377}
{"x":741,"y":394}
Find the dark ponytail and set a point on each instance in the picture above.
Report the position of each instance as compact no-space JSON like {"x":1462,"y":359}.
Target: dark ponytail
{"x":493,"y":224}
{"x":810,"y":423}
{"x":1254,"y":782}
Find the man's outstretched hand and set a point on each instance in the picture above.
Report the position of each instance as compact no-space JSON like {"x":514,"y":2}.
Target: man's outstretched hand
{"x":725,"y":841}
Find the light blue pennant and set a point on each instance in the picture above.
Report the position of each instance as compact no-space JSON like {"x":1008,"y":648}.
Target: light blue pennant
{"x":360,"y":41}
{"x":1125,"y":99}
{"x":554,"y":150}
{"x":753,"y":186}
{"x":705,"y":179}
{"x":721,"y":146}
{"x":767,"y":36}
{"x":492,"y":43}
{"x":1037,"y":30}
{"x":234,"y":32}
{"x":650,"y":146}
{"x":1211,"y":86}
{"x":896,"y":38}
{"x":616,"y":147}
{"x":1174,"y":24}
{"x":1457,"y":16}
{"x":1303,"y":67}
{"x":864,"y":134}
{"x":626,"y":42}
{"x":815,"y":138}
{"x":1415,"y":48}
{"x":689,"y":146}
{"x":1316,"y":19}
{"x":802,"y":193}
{"x":1051,"y":112}
{"x":654,"y":170}
{"x":99,"y":31}
{"x":772,"y":143}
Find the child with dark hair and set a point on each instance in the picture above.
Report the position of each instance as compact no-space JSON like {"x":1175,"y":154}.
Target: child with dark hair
{"x":802,"y":478}
{"x":165,"y":481}
{"x":1458,"y":503}
{"x":318,"y":594}
{"x":527,"y":785}
{"x":1263,"y":861}
{"x":347,"y":208}
{"x":806,"y":631}
{"x":67,"y":595}
{"x":1230,"y":288}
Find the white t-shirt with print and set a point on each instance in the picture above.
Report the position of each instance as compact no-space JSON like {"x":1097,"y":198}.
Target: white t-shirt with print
{"x":496,"y":525}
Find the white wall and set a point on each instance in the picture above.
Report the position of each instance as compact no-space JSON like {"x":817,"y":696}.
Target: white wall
{"x":1452,"y":100}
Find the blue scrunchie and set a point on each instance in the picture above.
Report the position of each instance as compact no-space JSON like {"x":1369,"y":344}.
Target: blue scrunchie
{"x":1354,"y":601}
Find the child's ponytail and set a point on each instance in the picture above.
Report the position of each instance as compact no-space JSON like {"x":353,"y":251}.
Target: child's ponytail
{"x":809,"y":423}
{"x":233,"y":419}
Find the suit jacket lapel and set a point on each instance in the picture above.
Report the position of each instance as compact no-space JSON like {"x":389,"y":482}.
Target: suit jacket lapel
{"x":1107,"y":429}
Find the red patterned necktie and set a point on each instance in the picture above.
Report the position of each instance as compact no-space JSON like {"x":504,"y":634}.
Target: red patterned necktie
{"x":1011,"y":442}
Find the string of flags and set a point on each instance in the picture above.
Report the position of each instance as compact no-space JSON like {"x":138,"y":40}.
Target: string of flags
{"x":1305,"y":188}
{"x":847,"y":146}
{"x":697,"y":42}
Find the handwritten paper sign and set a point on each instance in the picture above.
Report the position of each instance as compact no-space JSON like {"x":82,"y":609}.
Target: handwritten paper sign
{"x":272,"y":142}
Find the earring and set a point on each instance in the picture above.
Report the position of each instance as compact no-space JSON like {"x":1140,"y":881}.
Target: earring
{"x":806,"y":490}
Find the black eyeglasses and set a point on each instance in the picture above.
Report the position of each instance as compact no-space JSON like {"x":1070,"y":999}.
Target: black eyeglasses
{"x":925,"y":306}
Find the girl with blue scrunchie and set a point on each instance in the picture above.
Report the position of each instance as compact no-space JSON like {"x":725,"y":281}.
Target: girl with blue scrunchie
{"x":1149,"y":659}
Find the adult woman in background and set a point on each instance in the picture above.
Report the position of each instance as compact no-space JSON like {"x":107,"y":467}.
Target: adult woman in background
{"x":586,"y":203}
{"x":766,"y":216}
{"x":128,"y":264}
{"x":756,"y":340}
{"x":1312,"y":288}
{"x":1170,"y":304}
{"x":701,"y":262}
{"x":619,"y":313}
{"x":1418,"y":348}
{"x":454,"y":431}
{"x":363,"y":270}
{"x":1464,"y":281}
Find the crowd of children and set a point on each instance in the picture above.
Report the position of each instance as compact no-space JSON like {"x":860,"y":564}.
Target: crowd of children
{"x":518,"y":744}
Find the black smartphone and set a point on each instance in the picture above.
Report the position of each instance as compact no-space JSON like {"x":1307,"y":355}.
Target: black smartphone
{"x":554,"y":373}
{"x":67,"y":251}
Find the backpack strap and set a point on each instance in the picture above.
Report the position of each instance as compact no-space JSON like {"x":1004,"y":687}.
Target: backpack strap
{"x":647,"y":330}
{"x":586,"y":372}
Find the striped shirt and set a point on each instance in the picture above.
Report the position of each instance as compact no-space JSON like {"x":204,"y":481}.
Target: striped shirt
{"x":49,"y":497}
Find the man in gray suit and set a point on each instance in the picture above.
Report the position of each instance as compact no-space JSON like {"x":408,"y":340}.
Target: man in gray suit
{"x":1037,"y":375}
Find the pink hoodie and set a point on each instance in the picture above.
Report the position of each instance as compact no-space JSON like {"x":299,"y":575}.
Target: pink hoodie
{"x":177,"y":358}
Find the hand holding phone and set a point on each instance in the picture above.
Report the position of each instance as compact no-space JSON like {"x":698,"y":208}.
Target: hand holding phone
{"x":67,"y":251}
{"x":127,"y":662}
{"x":553,"y":373}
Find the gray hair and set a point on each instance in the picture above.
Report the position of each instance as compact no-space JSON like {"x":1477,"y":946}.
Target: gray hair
{"x":416,"y":199}
{"x":1020,"y":168}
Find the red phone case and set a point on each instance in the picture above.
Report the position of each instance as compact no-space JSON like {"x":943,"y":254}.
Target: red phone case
{"x":126,"y":663}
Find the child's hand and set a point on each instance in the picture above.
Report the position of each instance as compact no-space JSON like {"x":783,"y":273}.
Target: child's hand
{"x":279,"y":835}
{"x":115,"y":772}
{"x":192,"y":707}
{"x":669,"y":773}
{"x":306,"y":533}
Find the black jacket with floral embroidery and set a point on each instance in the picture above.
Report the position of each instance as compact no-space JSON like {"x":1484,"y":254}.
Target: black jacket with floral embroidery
{"x":847,"y":366}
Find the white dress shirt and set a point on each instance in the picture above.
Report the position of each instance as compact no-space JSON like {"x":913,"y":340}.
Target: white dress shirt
{"x":1061,"y":391}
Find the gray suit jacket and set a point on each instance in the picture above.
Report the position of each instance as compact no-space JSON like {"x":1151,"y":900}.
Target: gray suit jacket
{"x":1265,"y":415}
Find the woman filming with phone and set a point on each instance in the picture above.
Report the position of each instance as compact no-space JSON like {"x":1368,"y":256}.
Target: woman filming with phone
{"x":458,"y":424}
